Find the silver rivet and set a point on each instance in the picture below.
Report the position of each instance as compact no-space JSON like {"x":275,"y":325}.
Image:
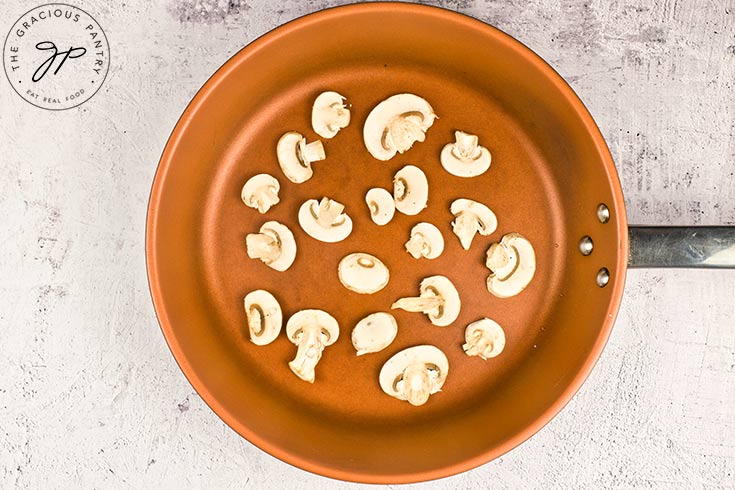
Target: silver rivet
{"x":603,"y":213}
{"x":586,"y":245}
{"x":603,"y":277}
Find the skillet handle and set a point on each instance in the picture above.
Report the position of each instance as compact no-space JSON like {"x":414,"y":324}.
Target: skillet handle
{"x":702,"y":247}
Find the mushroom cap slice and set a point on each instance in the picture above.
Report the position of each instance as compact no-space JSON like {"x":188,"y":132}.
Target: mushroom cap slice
{"x":295,"y":156}
{"x":261,"y":192}
{"x":264,"y":317}
{"x":274,"y":245}
{"x":465,"y":157}
{"x":362,"y":273}
{"x":484,"y":338}
{"x":512,"y":264}
{"x":414,"y":374}
{"x":395,"y":124}
{"x":471,"y":217}
{"x":410,"y":190}
{"x":374,"y":333}
{"x":438,"y":299}
{"x":381,"y":205}
{"x":311,"y":331}
{"x":324,"y":220}
{"x":426,"y":241}
{"x":329,"y":114}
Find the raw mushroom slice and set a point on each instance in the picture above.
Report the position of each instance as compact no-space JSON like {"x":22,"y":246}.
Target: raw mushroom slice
{"x":465,"y":157}
{"x":329,"y":114}
{"x":311,"y":331}
{"x":261,"y":192}
{"x":414,"y":374}
{"x":484,"y":338}
{"x":374,"y":333}
{"x":438,"y":299}
{"x":362,"y":273}
{"x":512,"y":264}
{"x":264,"y":317}
{"x":381,"y":205}
{"x":426,"y":241}
{"x":325,"y":220}
{"x":274,"y":245}
{"x":295,"y":156}
{"x":395,"y":124}
{"x":410,"y":190}
{"x":471,"y":217}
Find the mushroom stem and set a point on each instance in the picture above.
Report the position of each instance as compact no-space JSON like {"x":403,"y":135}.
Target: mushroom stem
{"x":265,"y":198}
{"x":478,"y":345}
{"x":416,"y":384}
{"x":310,"y":348}
{"x":262,"y":246}
{"x":329,"y":211}
{"x":417,"y":246}
{"x":466,"y":147}
{"x":311,"y":152}
{"x":403,"y":132}
{"x":422,"y":304}
{"x":465,"y":226}
{"x":337,"y":115}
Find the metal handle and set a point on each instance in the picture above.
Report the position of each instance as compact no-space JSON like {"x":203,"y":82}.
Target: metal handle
{"x":711,"y":247}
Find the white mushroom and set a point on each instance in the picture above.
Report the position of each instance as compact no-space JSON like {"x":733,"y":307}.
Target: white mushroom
{"x":325,"y":220}
{"x":484,"y":338}
{"x":438,"y":299}
{"x":414,"y":374}
{"x":362,"y":273}
{"x":465,"y":157}
{"x":395,"y":124}
{"x":410,"y":190}
{"x":374,"y":333}
{"x":471,"y":217}
{"x":512,"y":264}
{"x":264,"y":317}
{"x":381,"y":205}
{"x":311,"y":331}
{"x":261,"y":192}
{"x":426,"y":241}
{"x":329,"y":114}
{"x":295,"y":156}
{"x":274,"y":245}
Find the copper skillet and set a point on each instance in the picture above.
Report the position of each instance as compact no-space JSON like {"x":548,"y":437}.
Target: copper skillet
{"x":552,"y":179}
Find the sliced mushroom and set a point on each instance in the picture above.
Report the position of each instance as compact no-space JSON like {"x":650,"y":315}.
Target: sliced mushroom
{"x":410,"y":190}
{"x":484,"y":338}
{"x":471,"y":217}
{"x":329,"y":114}
{"x":325,"y":220}
{"x":295,"y":156}
{"x":261,"y":192}
{"x":465,"y":157}
{"x":264,"y":317}
{"x":374,"y":333}
{"x":438,"y":299}
{"x":362,"y":273}
{"x":274,"y":245}
{"x":381,"y":205}
{"x":395,"y":124}
{"x":426,"y":241}
{"x":311,"y":331}
{"x":512,"y":264}
{"x":414,"y":374}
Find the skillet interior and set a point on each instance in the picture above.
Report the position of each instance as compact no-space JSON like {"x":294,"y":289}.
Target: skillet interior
{"x":550,"y":170}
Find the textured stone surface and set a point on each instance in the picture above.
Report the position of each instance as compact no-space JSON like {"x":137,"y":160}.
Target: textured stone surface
{"x":90,"y":396}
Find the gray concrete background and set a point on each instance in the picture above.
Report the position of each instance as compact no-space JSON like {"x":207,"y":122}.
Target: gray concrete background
{"x":90,"y":396}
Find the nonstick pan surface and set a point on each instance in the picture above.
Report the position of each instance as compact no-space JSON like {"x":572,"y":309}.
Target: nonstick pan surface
{"x":551,"y":170}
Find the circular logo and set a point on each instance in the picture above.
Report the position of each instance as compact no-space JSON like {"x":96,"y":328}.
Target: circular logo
{"x":56,"y":56}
